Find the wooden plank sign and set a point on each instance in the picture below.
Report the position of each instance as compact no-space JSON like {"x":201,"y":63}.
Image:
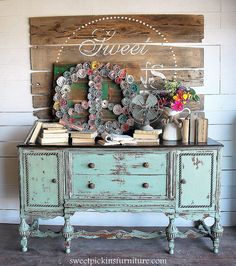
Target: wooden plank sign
{"x":145,"y":44}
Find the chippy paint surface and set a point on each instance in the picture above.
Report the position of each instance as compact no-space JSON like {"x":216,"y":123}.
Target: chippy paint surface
{"x":197,"y":169}
{"x":43,"y":180}
{"x":119,"y":163}
{"x":118,"y":176}
{"x":114,"y":186}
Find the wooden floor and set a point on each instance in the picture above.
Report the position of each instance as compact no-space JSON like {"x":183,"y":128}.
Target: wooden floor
{"x":50,"y":251}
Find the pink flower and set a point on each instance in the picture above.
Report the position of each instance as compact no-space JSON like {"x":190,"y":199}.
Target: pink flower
{"x":89,"y":72}
{"x":85,"y":104}
{"x":92,"y":117}
{"x":177,"y":106}
{"x":118,"y":80}
{"x":122,"y":73}
{"x":125,"y":127}
{"x":71,"y":120}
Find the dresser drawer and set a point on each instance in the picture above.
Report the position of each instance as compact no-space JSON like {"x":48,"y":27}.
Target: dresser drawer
{"x":118,"y":163}
{"x":103,"y":186}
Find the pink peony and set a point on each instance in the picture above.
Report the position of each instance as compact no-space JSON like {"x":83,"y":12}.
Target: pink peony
{"x":177,"y":106}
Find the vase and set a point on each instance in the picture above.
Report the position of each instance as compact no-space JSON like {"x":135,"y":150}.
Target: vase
{"x":171,"y":130}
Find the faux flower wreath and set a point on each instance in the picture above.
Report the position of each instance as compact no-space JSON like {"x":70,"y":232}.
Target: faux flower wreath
{"x":95,"y":73}
{"x":176,"y":96}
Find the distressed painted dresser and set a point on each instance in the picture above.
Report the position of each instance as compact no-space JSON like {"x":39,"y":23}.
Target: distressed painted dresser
{"x":175,"y":179}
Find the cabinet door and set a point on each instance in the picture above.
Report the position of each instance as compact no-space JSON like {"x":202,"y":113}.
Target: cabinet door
{"x":196,"y":179}
{"x":43,"y":180}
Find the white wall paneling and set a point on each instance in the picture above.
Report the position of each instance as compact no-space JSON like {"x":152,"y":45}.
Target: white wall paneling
{"x":229,"y":178}
{"x":8,"y":149}
{"x":9,"y":171}
{"x":17,"y":119}
{"x":220,"y":102}
{"x":14,"y":56}
{"x":221,"y":117}
{"x":9,"y":197}
{"x":229,"y":147}
{"x":228,"y":55}
{"x":16,"y":103}
{"x":13,"y":133}
{"x":228,"y":6}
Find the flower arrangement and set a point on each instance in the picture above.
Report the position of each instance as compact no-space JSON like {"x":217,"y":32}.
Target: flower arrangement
{"x":176,"y":96}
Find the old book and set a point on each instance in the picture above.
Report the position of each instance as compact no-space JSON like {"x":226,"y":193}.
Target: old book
{"x":114,"y":142}
{"x":148,"y":141}
{"x":148,"y":132}
{"x":30,"y":133}
{"x":36,"y":132}
{"x":202,"y":129}
{"x":52,"y":125}
{"x":153,"y":143}
{"x":52,"y":140}
{"x":192,"y":124}
{"x":54,"y":130}
{"x":185,"y":130}
{"x":84,"y":135}
{"x":78,"y":141}
{"x":110,"y":143}
{"x":116,"y":137}
{"x":145,"y":136}
{"x":54,"y":135}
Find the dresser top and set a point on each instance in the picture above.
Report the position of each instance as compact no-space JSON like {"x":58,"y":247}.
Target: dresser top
{"x":163,"y":144}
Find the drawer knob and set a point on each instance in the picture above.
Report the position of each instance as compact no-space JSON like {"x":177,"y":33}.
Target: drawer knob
{"x":146,"y":164}
{"x":91,"y":185}
{"x":91,"y":165}
{"x":54,"y":180}
{"x":182,"y":181}
{"x":145,"y":185}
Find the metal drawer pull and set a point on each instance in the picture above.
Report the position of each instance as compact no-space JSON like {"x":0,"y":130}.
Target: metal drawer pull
{"x":146,"y":164}
{"x":54,"y":180}
{"x":91,"y":185}
{"x":91,"y":165}
{"x":145,"y":185}
{"x":182,"y":181}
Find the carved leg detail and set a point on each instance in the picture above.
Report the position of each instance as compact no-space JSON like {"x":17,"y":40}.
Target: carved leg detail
{"x":216,"y":232}
{"x":171,"y":233}
{"x":35,"y":224}
{"x":68,"y":231}
{"x":24,"y":233}
{"x":198,"y":224}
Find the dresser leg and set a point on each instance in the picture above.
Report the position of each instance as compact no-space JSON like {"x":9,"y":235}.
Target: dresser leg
{"x":216,"y":232}
{"x":68,"y":231}
{"x":171,"y":233}
{"x":24,"y":233}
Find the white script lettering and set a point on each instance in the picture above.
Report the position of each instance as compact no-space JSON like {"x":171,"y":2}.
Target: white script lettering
{"x":99,"y":45}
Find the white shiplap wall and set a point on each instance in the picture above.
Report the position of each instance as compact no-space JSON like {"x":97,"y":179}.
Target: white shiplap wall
{"x":16,"y":106}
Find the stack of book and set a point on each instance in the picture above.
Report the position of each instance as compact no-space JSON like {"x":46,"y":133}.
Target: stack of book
{"x":198,"y":128}
{"x":80,"y":137}
{"x":53,"y":133}
{"x":147,"y":137}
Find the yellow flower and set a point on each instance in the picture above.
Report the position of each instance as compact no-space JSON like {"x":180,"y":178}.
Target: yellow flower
{"x":185,"y":96}
{"x":94,"y":65}
{"x":175,"y":97}
{"x":56,"y":106}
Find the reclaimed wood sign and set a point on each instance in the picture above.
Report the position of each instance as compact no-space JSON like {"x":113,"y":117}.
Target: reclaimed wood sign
{"x":151,"y":47}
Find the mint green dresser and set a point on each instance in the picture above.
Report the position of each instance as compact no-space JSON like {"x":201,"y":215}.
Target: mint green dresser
{"x":175,"y":179}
